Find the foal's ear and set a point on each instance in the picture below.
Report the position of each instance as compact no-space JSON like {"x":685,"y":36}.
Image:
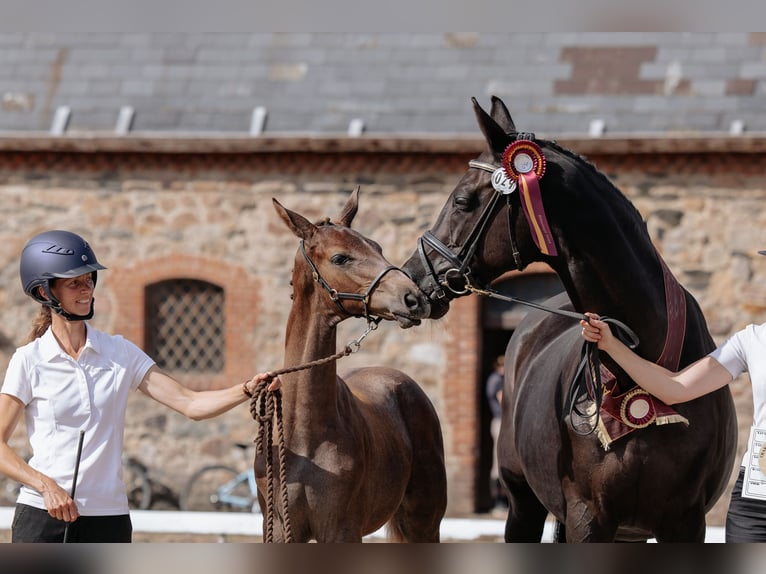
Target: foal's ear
{"x":497,"y":139}
{"x":298,"y":224}
{"x":349,"y":211}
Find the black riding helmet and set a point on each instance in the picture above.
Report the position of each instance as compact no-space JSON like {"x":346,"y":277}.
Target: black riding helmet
{"x":56,"y":255}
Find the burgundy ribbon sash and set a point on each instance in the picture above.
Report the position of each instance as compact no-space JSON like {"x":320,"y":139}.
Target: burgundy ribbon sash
{"x":532,"y":202}
{"x":627,"y":411}
{"x":524,"y":163}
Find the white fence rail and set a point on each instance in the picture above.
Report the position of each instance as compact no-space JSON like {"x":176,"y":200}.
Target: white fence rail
{"x":247,"y":524}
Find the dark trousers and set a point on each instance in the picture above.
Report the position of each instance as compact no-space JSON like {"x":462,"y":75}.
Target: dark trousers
{"x":32,"y":524}
{"x":746,"y":519}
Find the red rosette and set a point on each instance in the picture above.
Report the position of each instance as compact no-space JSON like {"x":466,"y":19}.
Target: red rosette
{"x":523,"y":157}
{"x":524,"y":163}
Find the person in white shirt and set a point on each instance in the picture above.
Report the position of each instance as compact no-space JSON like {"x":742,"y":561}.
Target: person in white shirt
{"x":744,"y":351}
{"x":70,"y":378}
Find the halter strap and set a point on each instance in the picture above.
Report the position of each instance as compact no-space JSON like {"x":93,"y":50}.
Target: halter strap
{"x":336,"y":296}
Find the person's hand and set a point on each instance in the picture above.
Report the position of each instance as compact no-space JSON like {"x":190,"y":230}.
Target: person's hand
{"x":596,"y":331}
{"x":253,"y":383}
{"x":58,"y":502}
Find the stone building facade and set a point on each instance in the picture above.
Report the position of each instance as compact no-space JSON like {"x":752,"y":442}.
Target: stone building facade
{"x":157,"y":209}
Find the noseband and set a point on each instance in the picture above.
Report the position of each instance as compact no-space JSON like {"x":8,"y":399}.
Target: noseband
{"x":338,"y":297}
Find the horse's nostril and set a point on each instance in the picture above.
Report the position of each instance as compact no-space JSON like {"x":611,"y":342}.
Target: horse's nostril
{"x":412,"y":301}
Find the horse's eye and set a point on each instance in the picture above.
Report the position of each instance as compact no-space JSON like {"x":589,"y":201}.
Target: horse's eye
{"x":463,"y":202}
{"x":339,"y":259}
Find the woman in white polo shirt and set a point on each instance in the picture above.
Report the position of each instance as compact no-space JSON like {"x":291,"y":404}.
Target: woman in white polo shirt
{"x":69,"y":378}
{"x":743,"y":351}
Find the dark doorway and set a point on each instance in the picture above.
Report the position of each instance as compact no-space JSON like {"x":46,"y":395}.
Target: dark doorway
{"x":499,"y":319}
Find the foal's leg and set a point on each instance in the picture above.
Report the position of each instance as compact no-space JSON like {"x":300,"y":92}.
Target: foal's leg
{"x":419,"y":517}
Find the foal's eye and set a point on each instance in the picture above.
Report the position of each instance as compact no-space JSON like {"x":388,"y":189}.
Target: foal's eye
{"x":339,"y":259}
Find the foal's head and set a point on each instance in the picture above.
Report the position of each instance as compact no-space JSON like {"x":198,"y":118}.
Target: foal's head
{"x":350,"y":270}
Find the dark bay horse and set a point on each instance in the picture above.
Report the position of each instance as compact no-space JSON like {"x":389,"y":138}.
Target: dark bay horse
{"x":523,"y":200}
{"x":365,"y":450}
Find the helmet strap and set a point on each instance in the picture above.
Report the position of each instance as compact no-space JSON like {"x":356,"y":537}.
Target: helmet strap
{"x":56,"y":307}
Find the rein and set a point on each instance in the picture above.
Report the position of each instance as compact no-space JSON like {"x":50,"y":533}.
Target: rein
{"x":266,"y":407}
{"x":582,"y":386}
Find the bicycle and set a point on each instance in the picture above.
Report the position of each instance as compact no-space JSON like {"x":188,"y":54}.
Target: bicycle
{"x":218,"y":487}
{"x":137,"y":483}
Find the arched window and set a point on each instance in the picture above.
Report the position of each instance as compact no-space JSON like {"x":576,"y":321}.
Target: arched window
{"x":223,"y":322}
{"x":185,"y":326}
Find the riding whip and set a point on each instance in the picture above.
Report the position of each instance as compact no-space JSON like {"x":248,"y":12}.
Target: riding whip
{"x":74,"y":479}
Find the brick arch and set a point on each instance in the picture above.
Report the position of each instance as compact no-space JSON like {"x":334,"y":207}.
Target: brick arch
{"x":128,"y":286}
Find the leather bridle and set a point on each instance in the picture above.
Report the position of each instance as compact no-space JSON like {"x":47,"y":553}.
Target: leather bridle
{"x":461,"y":260}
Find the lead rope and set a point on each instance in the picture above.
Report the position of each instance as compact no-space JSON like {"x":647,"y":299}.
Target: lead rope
{"x":266,"y":408}
{"x":582,"y":385}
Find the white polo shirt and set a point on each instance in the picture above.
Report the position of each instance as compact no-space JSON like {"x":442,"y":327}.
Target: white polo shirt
{"x":63,"y":396}
{"x":745,"y":351}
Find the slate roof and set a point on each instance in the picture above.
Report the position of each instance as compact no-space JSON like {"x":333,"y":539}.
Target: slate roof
{"x":383,"y":84}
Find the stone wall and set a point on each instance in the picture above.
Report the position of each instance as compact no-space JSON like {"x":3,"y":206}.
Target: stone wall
{"x":156,"y":215}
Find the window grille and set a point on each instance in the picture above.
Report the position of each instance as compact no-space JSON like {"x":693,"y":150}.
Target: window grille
{"x":185,"y":326}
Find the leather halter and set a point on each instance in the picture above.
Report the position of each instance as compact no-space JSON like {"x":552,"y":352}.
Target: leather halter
{"x":337,"y":297}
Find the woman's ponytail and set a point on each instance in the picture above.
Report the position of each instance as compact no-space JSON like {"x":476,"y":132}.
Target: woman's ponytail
{"x":40,"y":324}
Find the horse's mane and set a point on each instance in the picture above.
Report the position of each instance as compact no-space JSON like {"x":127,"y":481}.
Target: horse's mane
{"x":619,"y":199}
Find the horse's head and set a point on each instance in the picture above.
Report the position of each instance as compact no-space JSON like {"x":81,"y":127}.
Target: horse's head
{"x":351,"y":270}
{"x":486,"y":227}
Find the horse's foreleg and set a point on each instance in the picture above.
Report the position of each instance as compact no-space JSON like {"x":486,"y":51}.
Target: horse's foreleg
{"x":526,"y":514}
{"x":559,"y":532}
{"x":582,"y":525}
{"x":689,"y":527}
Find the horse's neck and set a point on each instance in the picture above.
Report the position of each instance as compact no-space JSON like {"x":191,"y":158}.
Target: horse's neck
{"x":617,"y":275}
{"x":309,"y":394}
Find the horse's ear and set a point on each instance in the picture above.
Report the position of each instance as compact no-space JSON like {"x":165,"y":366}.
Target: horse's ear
{"x":350,"y":209}
{"x":497,"y":139}
{"x":298,"y":224}
{"x":501,"y":115}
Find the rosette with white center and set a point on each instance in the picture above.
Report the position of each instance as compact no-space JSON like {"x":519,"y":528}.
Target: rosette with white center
{"x":637,"y":409}
{"x":524,"y":163}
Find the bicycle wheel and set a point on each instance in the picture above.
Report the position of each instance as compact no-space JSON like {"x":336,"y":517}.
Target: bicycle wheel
{"x":217,"y":488}
{"x":137,"y":485}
